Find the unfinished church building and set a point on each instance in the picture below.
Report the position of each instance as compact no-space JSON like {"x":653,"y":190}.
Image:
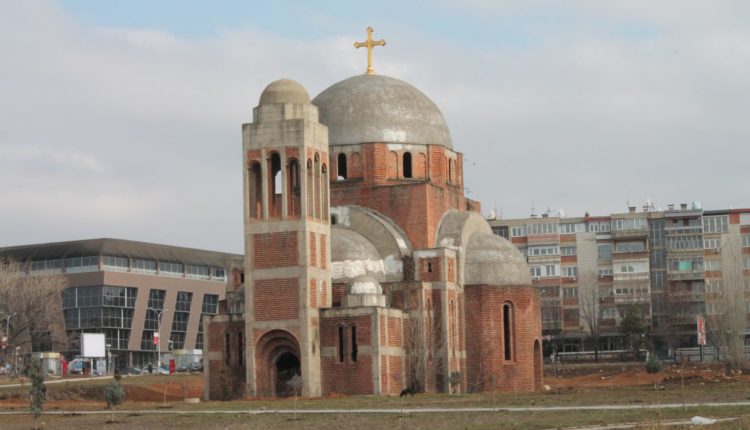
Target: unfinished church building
{"x":366,"y":269}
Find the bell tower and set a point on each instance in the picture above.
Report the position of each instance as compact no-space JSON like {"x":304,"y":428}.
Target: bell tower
{"x":287,"y":240}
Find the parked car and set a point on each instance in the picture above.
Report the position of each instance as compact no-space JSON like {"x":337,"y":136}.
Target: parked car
{"x":133,"y":371}
{"x":196,"y":366}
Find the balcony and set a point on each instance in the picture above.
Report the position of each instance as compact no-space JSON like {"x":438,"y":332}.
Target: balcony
{"x":543,"y":239}
{"x":685,"y":275}
{"x":684,"y":230}
{"x":632,"y":233}
{"x":687,"y":297}
{"x":629,"y":277}
{"x":626,"y":299}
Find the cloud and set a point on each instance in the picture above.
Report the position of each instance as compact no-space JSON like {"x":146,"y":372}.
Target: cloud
{"x":108,"y":131}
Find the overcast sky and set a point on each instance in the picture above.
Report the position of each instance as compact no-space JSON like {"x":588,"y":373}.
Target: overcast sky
{"x":122,"y":119}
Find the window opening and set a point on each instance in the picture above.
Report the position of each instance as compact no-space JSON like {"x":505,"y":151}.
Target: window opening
{"x":507,"y":327}
{"x":407,"y":165}
{"x":342,"y":167}
{"x":228,"y":347}
{"x":341,"y":344}
{"x":354,"y":343}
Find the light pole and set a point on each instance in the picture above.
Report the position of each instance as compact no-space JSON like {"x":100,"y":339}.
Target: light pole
{"x":18,"y":355}
{"x":158,"y":335}
{"x":109,"y":364}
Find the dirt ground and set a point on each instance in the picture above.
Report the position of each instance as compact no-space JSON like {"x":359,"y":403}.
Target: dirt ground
{"x":634,"y":374}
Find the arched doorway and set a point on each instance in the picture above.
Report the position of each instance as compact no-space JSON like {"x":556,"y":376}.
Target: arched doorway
{"x":277,"y":360}
{"x":287,"y":367}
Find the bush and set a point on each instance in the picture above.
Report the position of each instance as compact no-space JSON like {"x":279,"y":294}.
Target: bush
{"x":653,"y":365}
{"x":114,"y":394}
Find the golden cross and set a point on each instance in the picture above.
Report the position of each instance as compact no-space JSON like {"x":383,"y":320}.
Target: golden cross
{"x":369,"y":44}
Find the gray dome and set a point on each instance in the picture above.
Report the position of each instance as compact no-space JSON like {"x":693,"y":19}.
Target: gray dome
{"x":352,"y":255}
{"x":284,"y":91}
{"x":376,"y":108}
{"x":492,"y":260}
{"x":364,"y":285}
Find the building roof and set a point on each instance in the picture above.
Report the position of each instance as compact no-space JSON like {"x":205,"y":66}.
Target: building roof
{"x":376,"y":108}
{"x":118,"y":247}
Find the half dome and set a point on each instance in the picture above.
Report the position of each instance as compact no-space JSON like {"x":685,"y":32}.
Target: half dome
{"x":376,"y":108}
{"x":492,"y":260}
{"x":352,"y":255}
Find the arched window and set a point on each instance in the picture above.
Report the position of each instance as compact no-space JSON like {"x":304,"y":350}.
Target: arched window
{"x":310,"y":187}
{"x":293,"y":189}
{"x":324,"y":189}
{"x":407,"y":165}
{"x":316,"y":195}
{"x":508,"y":331}
{"x":342,"y":167}
{"x":255,"y":192}
{"x":274,"y":184}
{"x":227,"y":349}
{"x":240,"y":349}
{"x":354,"y":343}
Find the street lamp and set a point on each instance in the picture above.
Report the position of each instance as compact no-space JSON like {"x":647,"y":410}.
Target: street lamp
{"x":18,"y":352}
{"x":158,"y":336}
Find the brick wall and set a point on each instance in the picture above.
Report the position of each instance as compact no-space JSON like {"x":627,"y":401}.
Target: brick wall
{"x":485,"y":358}
{"x":350,"y":376}
{"x":222,"y":380}
{"x":276,"y":299}
{"x":272,"y":250}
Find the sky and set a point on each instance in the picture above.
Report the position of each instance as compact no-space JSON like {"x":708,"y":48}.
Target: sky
{"x":123,"y":119}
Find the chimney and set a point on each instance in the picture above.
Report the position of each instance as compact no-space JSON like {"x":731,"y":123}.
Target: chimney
{"x":645,"y":208}
{"x":670,"y":206}
{"x":545,"y":215}
{"x":631,"y":209}
{"x":683,"y":206}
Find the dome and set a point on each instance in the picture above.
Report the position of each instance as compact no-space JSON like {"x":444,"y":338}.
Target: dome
{"x":376,"y":108}
{"x":492,"y":260}
{"x":364,"y":285}
{"x":284,"y":91}
{"x":352,"y":255}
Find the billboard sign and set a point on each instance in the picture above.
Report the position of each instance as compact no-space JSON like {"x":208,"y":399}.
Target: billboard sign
{"x":92,"y":345}
{"x":701,"y":324}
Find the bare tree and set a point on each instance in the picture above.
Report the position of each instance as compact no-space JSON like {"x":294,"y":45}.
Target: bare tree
{"x":729,"y":322}
{"x":425,"y":351}
{"x":590,"y":306}
{"x":34,"y":305}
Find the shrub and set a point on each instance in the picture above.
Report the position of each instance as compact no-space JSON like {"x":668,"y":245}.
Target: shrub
{"x":114,"y":394}
{"x":653,"y":365}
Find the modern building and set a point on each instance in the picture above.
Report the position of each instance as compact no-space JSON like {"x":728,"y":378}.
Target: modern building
{"x":129,"y":291}
{"x":674,"y":265}
{"x":367,"y":270}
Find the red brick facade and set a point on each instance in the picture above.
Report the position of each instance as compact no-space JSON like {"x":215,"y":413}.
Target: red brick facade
{"x":308,"y":319}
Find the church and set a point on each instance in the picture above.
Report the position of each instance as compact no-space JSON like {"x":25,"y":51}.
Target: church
{"x":366,"y":269}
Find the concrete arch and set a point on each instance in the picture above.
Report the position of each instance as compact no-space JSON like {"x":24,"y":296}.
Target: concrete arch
{"x":273,"y":347}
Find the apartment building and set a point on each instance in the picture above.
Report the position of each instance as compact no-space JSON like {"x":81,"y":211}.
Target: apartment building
{"x":674,"y":265}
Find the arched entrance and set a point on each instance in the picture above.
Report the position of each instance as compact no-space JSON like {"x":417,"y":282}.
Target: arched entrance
{"x":277,"y":360}
{"x":287,"y":367}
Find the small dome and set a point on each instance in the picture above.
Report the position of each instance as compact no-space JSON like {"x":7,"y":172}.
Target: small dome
{"x":376,"y":108}
{"x":492,"y":260}
{"x":364,"y":285}
{"x":284,"y":91}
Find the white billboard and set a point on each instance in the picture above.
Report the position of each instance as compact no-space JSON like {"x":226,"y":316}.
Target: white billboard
{"x":92,"y":345}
